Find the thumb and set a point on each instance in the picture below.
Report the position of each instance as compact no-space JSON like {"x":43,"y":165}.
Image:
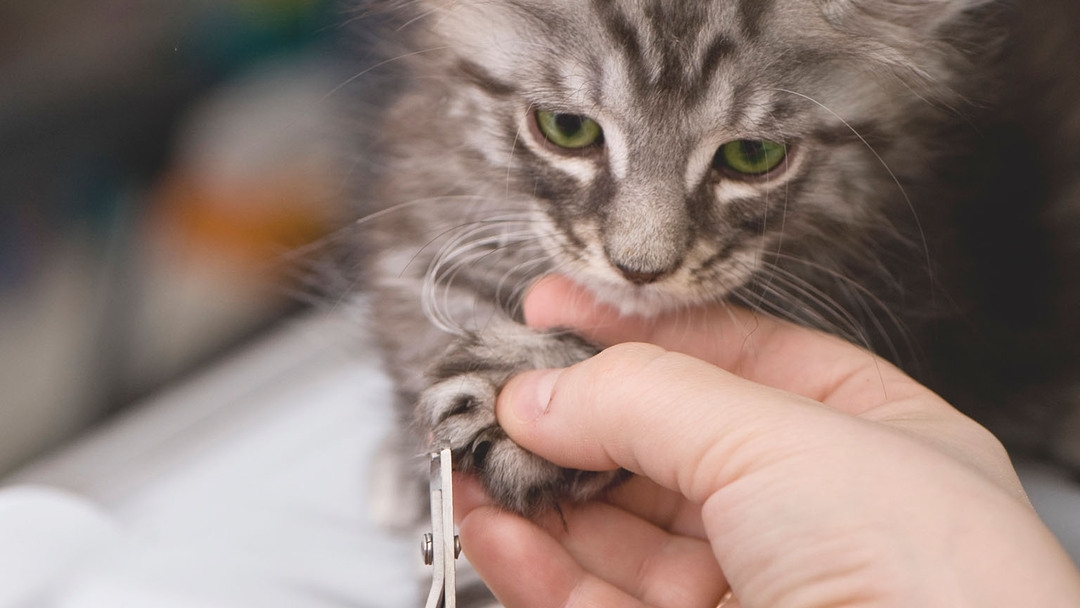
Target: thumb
{"x":623,"y":409}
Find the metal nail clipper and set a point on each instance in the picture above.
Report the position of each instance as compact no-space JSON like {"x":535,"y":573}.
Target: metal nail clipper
{"x":441,"y":547}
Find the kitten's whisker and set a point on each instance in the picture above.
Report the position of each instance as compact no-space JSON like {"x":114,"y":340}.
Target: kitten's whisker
{"x":521,"y":278}
{"x":444,"y":231}
{"x":858,"y":335}
{"x":348,"y":231}
{"x":378,"y":65}
{"x":420,"y":16}
{"x":415,"y":202}
{"x":812,"y":303}
{"x":892,"y":175}
{"x":864,"y":296}
{"x":475,"y":242}
{"x":312,"y":253}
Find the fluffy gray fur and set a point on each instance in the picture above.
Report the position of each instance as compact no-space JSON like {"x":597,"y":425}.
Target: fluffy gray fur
{"x":860,"y":232}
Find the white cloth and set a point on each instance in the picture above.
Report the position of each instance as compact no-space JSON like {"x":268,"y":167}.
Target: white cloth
{"x":246,"y":487}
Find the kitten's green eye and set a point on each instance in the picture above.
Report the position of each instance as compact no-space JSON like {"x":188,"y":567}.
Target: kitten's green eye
{"x":751,"y":156}
{"x":570,"y":131}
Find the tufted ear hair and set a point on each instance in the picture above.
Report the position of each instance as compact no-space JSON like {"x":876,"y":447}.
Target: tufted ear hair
{"x":924,"y":15}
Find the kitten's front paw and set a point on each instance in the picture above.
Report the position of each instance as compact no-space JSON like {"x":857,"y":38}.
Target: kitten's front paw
{"x":461,"y":413}
{"x":459,"y":409}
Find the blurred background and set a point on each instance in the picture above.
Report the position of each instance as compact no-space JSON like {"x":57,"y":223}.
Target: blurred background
{"x":159,"y":161}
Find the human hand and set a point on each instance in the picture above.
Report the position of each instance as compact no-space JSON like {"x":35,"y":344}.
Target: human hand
{"x":792,"y":466}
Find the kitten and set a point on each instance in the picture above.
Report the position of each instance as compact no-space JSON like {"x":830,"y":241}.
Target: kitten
{"x":830,"y":162}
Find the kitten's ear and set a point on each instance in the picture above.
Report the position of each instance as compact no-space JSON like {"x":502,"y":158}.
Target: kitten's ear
{"x":925,"y":15}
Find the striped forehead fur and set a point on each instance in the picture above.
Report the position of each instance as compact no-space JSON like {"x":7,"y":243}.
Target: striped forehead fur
{"x":662,"y":59}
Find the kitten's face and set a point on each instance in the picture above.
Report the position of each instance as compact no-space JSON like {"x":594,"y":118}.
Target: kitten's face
{"x":670,"y":151}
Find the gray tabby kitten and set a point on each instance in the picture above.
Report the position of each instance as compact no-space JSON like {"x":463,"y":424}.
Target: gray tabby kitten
{"x":902,"y":173}
{"x":809,"y":159}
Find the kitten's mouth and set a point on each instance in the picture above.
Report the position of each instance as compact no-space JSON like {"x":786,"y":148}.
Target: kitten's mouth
{"x":649,"y":294}
{"x":654,"y":284}
{"x":634,"y":296}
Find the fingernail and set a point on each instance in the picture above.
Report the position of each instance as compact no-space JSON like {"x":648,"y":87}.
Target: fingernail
{"x":532,"y":396}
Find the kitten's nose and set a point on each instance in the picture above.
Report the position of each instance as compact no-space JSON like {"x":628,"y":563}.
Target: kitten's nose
{"x":640,"y":277}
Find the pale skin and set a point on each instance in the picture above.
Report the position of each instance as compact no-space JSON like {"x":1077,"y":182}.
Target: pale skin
{"x":780,"y":464}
